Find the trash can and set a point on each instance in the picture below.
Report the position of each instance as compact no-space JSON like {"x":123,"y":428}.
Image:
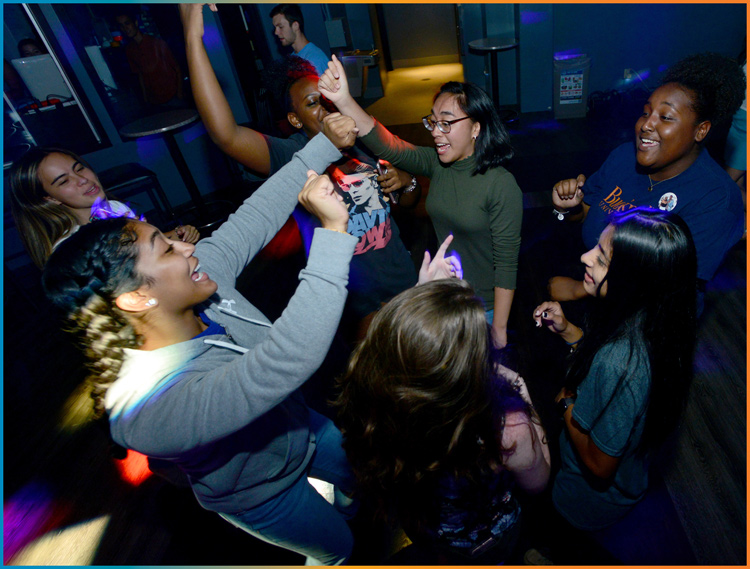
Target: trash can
{"x":571,"y":85}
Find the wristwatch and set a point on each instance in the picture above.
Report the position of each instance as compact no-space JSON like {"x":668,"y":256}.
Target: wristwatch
{"x":564,"y":403}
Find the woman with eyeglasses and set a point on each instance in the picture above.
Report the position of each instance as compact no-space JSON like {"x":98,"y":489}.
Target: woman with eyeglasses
{"x":471,"y":195}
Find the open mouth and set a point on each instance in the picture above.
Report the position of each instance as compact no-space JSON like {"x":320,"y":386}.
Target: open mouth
{"x":197,"y":275}
{"x":93,"y":190}
{"x":647,"y":143}
{"x":442,"y":147}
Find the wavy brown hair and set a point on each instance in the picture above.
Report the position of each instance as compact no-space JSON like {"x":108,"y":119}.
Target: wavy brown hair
{"x":421,"y":400}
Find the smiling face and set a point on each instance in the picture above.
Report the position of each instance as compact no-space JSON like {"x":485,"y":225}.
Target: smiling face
{"x":70,"y":183}
{"x":172,"y":273}
{"x":308,"y":106}
{"x":668,"y":132}
{"x":459,"y":142}
{"x":286,"y":33}
{"x":597,"y":262}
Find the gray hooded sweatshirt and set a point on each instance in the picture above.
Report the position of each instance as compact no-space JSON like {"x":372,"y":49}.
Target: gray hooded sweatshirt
{"x":225,"y":408}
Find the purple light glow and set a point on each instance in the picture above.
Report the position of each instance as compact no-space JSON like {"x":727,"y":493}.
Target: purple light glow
{"x":102,"y":209}
{"x":568,"y":54}
{"x":529,"y":17}
{"x":26,"y":515}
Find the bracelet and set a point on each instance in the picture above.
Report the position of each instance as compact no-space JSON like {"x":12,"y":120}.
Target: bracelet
{"x":411,"y":187}
{"x":336,"y":230}
{"x":560,"y":214}
{"x":578,"y":340}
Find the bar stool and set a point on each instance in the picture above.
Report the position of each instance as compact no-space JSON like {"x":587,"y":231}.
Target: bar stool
{"x":128,"y":180}
{"x":492,"y":46}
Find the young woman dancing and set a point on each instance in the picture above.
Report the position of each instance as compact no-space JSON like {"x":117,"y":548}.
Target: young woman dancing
{"x":188,"y":371}
{"x":630,"y":373}
{"x":438,"y":433}
{"x":53,"y":192}
{"x":382,"y":266}
{"x":471,"y":195}
{"x":667,"y":167}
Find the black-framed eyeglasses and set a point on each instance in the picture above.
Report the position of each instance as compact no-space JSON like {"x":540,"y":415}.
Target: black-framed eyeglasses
{"x":443,"y":126}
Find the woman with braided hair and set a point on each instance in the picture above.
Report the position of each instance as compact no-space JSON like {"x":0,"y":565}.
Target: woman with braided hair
{"x":190,"y":372}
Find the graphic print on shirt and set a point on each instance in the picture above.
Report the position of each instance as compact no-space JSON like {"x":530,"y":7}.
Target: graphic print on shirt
{"x":369,"y":212}
{"x":668,"y":202}
{"x":613,"y":202}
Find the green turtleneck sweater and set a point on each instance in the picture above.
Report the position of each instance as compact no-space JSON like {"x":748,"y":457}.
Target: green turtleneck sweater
{"x":483,"y":212}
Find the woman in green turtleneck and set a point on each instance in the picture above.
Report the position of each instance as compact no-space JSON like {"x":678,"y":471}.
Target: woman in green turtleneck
{"x":471,"y":195}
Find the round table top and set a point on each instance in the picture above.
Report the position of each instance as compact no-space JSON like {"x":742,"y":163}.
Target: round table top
{"x":494,"y":43}
{"x":156,"y":124}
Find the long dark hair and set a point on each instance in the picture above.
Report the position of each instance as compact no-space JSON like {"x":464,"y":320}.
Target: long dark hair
{"x":650,"y":303}
{"x":492,"y":146}
{"x":421,"y":399}
{"x":82,"y":278}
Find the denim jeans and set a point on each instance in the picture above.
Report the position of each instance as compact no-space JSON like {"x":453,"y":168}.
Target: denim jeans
{"x":300,"y":519}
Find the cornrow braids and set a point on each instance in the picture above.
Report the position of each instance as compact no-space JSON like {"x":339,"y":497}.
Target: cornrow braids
{"x":104,"y":331}
{"x":83,"y":278}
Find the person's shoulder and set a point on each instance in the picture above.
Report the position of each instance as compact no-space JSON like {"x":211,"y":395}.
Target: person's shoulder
{"x":282,"y":149}
{"x":502,"y":182}
{"x":621,"y":353}
{"x":314,"y":48}
{"x":706,"y":168}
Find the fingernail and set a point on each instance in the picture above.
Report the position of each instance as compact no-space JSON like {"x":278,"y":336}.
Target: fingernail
{"x":536,"y":313}
{"x":538,"y":324}
{"x":544,"y":315}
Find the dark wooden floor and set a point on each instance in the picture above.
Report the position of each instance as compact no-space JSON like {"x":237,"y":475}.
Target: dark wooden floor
{"x":696,"y":513}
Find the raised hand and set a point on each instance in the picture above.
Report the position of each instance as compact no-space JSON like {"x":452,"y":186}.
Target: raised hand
{"x":187,"y":233}
{"x":568,"y":193}
{"x":333,"y":84}
{"x":550,"y":314}
{"x":340,"y":129}
{"x":192,"y":17}
{"x":319,"y":197}
{"x":441,"y":267}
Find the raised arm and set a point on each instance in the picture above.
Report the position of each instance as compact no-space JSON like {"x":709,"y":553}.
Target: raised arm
{"x":243,"y":144}
{"x":334,"y":86}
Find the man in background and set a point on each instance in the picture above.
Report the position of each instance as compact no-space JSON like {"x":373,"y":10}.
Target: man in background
{"x":151,"y":59}
{"x":288,"y":26}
